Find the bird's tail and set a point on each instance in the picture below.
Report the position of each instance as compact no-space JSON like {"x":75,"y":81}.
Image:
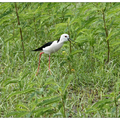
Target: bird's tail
{"x":38,"y":49}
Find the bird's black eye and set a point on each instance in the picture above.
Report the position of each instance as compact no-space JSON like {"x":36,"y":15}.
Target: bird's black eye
{"x":65,"y":36}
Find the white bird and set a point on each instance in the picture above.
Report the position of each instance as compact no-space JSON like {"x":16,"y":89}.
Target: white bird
{"x":52,"y":47}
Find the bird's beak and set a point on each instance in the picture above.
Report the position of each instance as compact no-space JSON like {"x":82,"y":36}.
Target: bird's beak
{"x":70,"y":40}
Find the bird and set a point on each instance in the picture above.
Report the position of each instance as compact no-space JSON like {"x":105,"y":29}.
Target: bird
{"x":52,"y":47}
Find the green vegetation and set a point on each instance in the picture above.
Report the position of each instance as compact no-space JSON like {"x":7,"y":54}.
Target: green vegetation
{"x":85,"y":80}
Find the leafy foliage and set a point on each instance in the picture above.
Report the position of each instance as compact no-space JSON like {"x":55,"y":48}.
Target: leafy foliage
{"x":85,"y":80}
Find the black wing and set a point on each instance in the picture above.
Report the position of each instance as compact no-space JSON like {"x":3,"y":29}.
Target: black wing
{"x":45,"y":45}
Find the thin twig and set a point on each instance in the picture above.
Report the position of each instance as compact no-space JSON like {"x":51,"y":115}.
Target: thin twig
{"x":35,"y":27}
{"x":116,"y":105}
{"x":106,"y":31}
{"x":70,"y":50}
{"x":20,"y":31}
{"x":64,"y":115}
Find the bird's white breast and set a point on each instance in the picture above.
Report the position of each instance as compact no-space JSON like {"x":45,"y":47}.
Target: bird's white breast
{"x":55,"y":46}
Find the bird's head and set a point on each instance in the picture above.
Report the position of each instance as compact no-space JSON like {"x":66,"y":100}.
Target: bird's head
{"x":64,"y":37}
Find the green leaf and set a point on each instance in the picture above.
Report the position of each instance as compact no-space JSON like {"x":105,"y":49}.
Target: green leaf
{"x":50,"y":81}
{"x":91,"y":110}
{"x":10,"y":82}
{"x":46,"y":98}
{"x":85,"y":7}
{"x":68,"y":20}
{"x":118,"y":97}
{"x":50,"y":101}
{"x":113,"y":10}
{"x":83,"y":31}
{"x":21,"y":92}
{"x":76,"y":51}
{"x":53,"y":89}
{"x":61,"y":25}
{"x":113,"y":110}
{"x":22,"y":107}
{"x":17,"y":114}
{"x":5,"y":81}
{"x":41,"y":109}
{"x":5,"y":13}
{"x":90,"y":21}
{"x":116,"y":50}
{"x":102,"y":103}
{"x":112,"y":34}
{"x":75,"y":20}
{"x":81,"y":39}
{"x":68,"y":82}
{"x":115,"y":43}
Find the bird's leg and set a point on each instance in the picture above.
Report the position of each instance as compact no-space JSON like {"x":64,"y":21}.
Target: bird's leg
{"x":49,"y":64}
{"x":39,"y":62}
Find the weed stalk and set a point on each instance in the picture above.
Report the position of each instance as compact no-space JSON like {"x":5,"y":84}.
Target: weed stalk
{"x":64,"y":115}
{"x":106,"y":32}
{"x":115,"y":103}
{"x":20,"y":30}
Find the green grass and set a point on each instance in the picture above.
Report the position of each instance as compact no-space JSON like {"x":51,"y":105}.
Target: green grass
{"x":83,"y":82}
{"x":25,"y":95}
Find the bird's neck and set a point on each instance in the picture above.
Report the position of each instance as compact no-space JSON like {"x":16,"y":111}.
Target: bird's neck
{"x":61,"y":41}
